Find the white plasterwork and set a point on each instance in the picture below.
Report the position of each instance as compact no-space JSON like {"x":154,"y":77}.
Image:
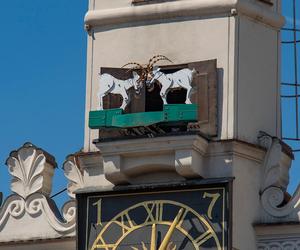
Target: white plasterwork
{"x":274,"y":183}
{"x":35,"y":218}
{"x":284,"y":244}
{"x":30,"y":213}
{"x":73,"y":174}
{"x":31,"y":171}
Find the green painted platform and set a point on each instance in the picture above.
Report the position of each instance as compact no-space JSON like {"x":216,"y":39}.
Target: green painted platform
{"x":114,"y":118}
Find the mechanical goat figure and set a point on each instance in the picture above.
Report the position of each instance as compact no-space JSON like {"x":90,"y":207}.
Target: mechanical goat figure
{"x":109,"y":84}
{"x":179,"y":79}
{"x":148,"y":73}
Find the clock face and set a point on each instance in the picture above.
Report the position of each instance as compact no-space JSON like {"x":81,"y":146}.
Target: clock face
{"x":189,"y":217}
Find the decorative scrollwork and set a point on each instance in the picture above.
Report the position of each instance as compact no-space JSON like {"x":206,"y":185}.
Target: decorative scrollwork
{"x":275,"y":179}
{"x":14,"y":206}
{"x":272,"y":199}
{"x":38,"y":204}
{"x":283,"y":244}
{"x":69,"y":211}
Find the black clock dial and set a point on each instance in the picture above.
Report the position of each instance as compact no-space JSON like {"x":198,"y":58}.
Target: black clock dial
{"x":177,"y":219}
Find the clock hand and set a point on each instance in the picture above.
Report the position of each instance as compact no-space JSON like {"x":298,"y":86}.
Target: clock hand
{"x":153,"y":238}
{"x":167,"y":238}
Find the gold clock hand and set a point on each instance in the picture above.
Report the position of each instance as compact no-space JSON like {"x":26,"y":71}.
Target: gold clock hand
{"x":153,"y":238}
{"x":167,"y":238}
{"x":171,"y":247}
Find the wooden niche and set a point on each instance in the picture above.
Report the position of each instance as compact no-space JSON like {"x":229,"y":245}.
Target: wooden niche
{"x":204,"y":94}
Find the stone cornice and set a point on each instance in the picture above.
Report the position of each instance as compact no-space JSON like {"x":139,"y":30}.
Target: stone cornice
{"x":157,"y":145}
{"x":184,"y":8}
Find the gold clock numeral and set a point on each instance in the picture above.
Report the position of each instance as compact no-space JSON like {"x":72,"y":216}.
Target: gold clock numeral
{"x":125,"y":222}
{"x":159,"y":211}
{"x":154,"y":212}
{"x":214,"y":198}
{"x":184,"y":214}
{"x":99,"y":211}
{"x":101,"y":244}
{"x":203,"y":238}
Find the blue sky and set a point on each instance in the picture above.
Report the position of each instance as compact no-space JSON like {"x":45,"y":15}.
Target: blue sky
{"x":42,"y":79}
{"x":288,"y":75}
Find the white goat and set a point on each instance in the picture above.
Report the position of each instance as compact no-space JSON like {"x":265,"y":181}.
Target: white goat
{"x":109,"y":84}
{"x":182,"y":78}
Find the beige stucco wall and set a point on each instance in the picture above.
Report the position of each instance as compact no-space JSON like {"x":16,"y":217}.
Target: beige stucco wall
{"x":257,"y":85}
{"x":182,"y":42}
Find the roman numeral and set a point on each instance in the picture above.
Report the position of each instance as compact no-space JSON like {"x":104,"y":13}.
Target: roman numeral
{"x":154,"y":211}
{"x":203,"y":238}
{"x":100,"y":244}
{"x":125,"y":222}
{"x":182,"y":218}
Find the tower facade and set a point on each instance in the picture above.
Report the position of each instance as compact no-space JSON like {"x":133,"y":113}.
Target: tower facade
{"x":243,"y":40}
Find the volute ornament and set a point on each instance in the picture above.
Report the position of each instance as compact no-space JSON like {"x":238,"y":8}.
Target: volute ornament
{"x":274,"y":182}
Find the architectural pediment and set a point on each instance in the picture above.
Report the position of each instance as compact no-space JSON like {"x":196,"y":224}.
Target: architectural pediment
{"x":29,"y":213}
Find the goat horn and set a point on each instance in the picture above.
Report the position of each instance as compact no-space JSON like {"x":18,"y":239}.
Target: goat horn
{"x":133,"y":63}
{"x":156,"y":59}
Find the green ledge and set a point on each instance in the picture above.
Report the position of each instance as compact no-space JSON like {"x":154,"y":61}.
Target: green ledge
{"x":114,"y":118}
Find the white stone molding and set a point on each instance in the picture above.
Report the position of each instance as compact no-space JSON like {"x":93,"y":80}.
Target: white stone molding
{"x":280,"y":236}
{"x":30,"y":213}
{"x":32,"y":170}
{"x":73,"y":174}
{"x":275,"y":178}
{"x":284,"y":244}
{"x":184,"y":8}
{"x":153,"y":159}
{"x":37,"y":210}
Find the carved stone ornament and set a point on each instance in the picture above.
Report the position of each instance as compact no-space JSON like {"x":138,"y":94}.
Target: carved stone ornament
{"x":73,"y":174}
{"x":284,"y":244}
{"x":274,"y":183}
{"x":32,"y":170}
